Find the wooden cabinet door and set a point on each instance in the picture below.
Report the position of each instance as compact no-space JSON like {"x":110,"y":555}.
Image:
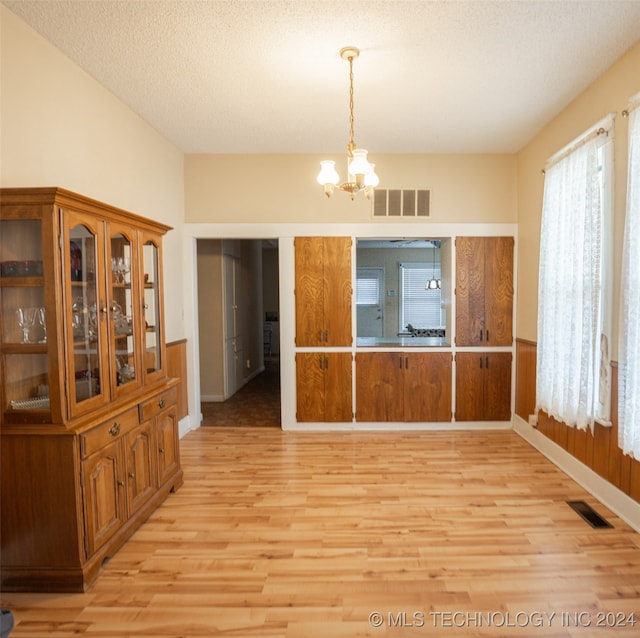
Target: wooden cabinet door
{"x":484,"y":291}
{"x":167,"y":444}
{"x":141,"y":477}
{"x":498,"y":386}
{"x":498,"y":306}
{"x":427,"y":386}
{"x":310,"y":395}
{"x":337,"y":291}
{"x":323,"y":387}
{"x":105,"y":506}
{"x":86,"y":312}
{"x":469,"y":386}
{"x":379,"y":386}
{"x":483,"y":386}
{"x":338,"y":403}
{"x":309,"y":271}
{"x":469,"y":291}
{"x":323,"y":291}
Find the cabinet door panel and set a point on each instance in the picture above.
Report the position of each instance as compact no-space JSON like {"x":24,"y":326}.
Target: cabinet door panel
{"x":168,"y":445}
{"x":104,"y":495}
{"x":86,"y":312}
{"x":379,"y":386}
{"x":498,"y":386}
{"x":141,"y":481}
{"x":498,"y":310}
{"x":309,"y":257}
{"x":124,"y":309}
{"x":310,"y":394}
{"x":152,"y":320}
{"x":427,"y":387}
{"x":470,"y":291}
{"x":337,"y":291}
{"x":338,"y":406}
{"x":469,"y":386}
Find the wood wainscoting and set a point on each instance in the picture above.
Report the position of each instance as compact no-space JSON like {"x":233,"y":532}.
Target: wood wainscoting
{"x":598,"y":450}
{"x":177,"y":368}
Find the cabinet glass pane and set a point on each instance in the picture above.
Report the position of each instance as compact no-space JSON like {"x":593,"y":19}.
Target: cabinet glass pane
{"x":26,"y":382}
{"x":85,"y":319}
{"x":21,"y":248}
{"x":152,"y":350}
{"x":121,"y":310}
{"x":23,"y":315}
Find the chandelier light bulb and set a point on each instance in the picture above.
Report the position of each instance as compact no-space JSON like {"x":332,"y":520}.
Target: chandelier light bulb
{"x":359,"y":165}
{"x":371,"y":179}
{"x":328,"y":173}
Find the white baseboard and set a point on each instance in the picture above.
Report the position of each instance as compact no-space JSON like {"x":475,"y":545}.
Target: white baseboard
{"x":607,"y":493}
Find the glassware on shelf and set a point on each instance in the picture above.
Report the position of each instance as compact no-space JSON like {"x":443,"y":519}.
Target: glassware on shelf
{"x":42,"y":320}
{"x":120,"y":267}
{"x":26,"y":318}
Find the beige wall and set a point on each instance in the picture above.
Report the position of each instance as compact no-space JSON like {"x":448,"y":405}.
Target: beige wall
{"x":283,"y":188}
{"x":610,"y":93}
{"x":61,"y":128}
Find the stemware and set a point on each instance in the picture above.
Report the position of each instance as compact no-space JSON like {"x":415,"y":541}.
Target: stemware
{"x":42,"y":320}
{"x":26,"y":318}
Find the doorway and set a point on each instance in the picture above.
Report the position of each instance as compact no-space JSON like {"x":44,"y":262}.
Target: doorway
{"x":238,"y":298}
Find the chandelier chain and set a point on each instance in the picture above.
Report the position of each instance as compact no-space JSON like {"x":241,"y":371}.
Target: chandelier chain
{"x":352,"y":143}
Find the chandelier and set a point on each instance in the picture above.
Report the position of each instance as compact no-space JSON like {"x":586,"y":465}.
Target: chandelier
{"x":360,"y":173}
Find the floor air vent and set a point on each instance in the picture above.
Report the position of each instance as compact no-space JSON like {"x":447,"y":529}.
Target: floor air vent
{"x":401,"y":203}
{"x":589,"y":514}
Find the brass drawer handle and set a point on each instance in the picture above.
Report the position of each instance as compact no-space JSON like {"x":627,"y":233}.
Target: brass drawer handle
{"x":161,"y":450}
{"x":132,"y":474}
{"x":114,"y":430}
{"x":161,"y":403}
{"x":121,"y":483}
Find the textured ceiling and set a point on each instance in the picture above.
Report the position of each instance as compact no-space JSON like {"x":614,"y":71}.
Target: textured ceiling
{"x":265,"y":76}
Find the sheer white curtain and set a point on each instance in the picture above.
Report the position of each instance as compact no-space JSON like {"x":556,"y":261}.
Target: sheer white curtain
{"x":629,"y":351}
{"x":572,"y":353}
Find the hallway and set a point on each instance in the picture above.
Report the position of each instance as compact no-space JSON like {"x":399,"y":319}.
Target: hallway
{"x":255,"y":404}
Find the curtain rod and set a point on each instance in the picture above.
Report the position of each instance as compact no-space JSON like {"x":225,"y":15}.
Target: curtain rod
{"x":599,"y":128}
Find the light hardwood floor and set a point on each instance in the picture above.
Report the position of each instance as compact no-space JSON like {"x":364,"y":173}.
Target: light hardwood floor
{"x":304,"y":535}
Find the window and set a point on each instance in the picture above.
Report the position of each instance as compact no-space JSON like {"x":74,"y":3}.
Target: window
{"x":419,"y":307}
{"x":574,"y":306}
{"x":368,"y":282}
{"x":629,"y":355}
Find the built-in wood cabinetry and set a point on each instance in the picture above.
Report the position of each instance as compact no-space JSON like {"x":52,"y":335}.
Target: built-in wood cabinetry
{"x":323,"y":291}
{"x":89,"y":423}
{"x":484,"y":291}
{"x":324,"y":386}
{"x":483,"y":386}
{"x":403,"y":386}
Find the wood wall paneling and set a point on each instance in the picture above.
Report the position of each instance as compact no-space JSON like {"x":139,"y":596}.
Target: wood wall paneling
{"x":598,"y":450}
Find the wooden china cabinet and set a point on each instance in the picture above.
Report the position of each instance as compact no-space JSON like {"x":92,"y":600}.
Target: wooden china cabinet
{"x":89,"y":424}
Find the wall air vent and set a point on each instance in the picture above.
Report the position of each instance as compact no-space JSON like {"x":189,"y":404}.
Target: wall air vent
{"x":401,"y":203}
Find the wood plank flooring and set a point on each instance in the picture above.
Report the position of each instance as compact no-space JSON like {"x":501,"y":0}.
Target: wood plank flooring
{"x":305,"y":535}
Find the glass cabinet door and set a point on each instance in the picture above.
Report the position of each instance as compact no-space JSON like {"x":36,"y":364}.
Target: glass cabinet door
{"x":23,"y":322}
{"x":124,"y":307}
{"x":85,"y":312}
{"x":153,"y":346}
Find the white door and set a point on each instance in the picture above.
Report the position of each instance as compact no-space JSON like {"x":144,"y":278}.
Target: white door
{"x":370,"y":302}
{"x":232,"y":338}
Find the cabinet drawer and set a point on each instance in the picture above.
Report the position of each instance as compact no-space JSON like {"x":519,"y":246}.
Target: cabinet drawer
{"x":98,"y":437}
{"x":160,"y":402}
